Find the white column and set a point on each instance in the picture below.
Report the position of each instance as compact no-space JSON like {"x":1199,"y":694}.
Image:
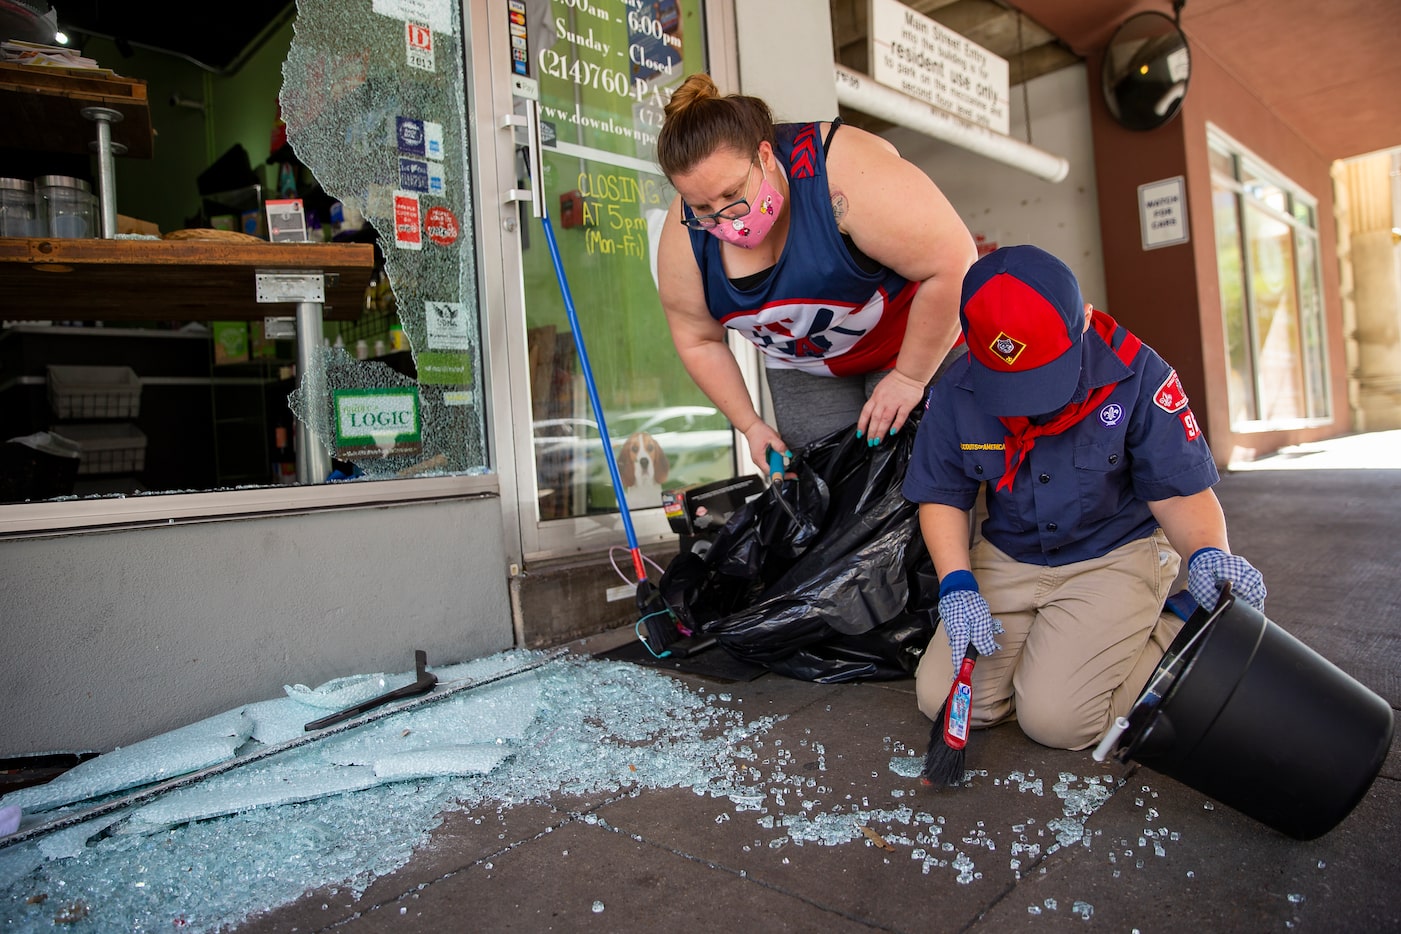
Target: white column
{"x":1376,"y":290}
{"x":785,"y":57}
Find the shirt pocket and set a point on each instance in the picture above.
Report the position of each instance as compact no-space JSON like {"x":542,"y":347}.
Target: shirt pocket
{"x":1007,"y":510}
{"x":1100,"y":467}
{"x":984,"y":466}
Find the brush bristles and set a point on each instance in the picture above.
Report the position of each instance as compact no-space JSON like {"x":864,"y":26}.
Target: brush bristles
{"x":943,"y":765}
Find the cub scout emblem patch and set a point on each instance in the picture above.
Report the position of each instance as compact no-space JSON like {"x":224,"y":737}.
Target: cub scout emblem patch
{"x":1171,"y":397}
{"x":1006,"y":348}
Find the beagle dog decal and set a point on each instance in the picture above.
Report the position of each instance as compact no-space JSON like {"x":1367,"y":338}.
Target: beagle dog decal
{"x":643,"y":467}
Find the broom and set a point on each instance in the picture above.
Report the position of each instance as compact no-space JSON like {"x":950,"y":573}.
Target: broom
{"x":943,"y":763}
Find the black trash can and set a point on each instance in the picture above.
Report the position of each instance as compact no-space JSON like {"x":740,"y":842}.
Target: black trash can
{"x":1259,"y":721}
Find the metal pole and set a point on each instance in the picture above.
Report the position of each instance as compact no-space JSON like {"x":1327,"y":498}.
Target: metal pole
{"x":313,"y":460}
{"x":104,"y":117}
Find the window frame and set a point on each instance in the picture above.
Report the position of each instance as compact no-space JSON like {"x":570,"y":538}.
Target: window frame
{"x":109,"y":513}
{"x":1299,"y":214}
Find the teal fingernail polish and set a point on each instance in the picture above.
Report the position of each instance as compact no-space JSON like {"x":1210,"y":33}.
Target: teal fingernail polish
{"x":859,"y":433}
{"x":892,"y":429}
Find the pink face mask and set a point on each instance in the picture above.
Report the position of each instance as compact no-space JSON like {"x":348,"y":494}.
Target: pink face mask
{"x":751,"y":229}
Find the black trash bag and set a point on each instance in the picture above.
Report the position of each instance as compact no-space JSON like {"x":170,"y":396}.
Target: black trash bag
{"x":824,"y":577}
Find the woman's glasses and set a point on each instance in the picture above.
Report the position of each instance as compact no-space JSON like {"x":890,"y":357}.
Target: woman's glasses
{"x":730,"y":212}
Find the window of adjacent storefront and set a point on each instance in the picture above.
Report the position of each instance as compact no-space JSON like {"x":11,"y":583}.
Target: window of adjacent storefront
{"x":1271,"y":303}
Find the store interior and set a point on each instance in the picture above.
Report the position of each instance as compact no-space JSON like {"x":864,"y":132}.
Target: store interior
{"x":159,"y":403}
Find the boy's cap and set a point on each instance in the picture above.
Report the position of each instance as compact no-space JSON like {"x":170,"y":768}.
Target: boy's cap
{"x":1023,"y":318}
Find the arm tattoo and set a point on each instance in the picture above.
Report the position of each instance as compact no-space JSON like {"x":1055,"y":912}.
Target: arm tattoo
{"x":839,"y":206}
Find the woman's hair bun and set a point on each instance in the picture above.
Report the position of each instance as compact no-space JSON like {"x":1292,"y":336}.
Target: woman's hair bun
{"x":698,"y":86}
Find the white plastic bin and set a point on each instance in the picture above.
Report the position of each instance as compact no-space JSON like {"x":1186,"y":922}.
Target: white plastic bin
{"x":94,"y":392}
{"x":117,"y":448}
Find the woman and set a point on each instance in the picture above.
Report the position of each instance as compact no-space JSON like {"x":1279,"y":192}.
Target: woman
{"x":840,"y":260}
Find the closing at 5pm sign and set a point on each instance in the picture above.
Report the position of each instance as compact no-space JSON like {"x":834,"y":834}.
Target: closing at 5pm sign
{"x":382,"y":421}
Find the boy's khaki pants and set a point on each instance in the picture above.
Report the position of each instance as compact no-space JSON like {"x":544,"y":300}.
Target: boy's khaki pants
{"x":1080,"y":641}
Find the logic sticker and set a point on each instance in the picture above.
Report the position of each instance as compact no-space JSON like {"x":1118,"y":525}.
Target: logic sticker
{"x":433,"y":139}
{"x":377,"y":421}
{"x":520,"y":47}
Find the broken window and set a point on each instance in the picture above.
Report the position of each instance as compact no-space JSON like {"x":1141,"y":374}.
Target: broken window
{"x":374,"y":105}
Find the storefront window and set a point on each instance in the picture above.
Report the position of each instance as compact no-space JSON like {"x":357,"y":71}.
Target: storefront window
{"x":109,"y":393}
{"x":1272,"y":309}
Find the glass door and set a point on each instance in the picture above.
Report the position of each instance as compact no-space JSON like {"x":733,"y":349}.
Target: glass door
{"x":596,"y":74}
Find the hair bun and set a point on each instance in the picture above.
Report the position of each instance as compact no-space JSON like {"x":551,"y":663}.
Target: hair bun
{"x":698,"y":86}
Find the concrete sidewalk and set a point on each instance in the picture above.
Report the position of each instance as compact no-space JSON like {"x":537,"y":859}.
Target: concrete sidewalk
{"x":1041,"y":839}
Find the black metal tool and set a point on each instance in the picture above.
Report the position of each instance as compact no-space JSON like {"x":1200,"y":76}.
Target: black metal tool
{"x":423,"y":683}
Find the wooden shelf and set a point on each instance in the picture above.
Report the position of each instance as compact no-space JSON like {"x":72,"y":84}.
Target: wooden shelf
{"x":162,"y":280}
{"x":44,"y":106}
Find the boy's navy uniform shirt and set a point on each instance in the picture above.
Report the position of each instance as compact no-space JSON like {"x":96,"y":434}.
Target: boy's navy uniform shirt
{"x":1078,"y":494}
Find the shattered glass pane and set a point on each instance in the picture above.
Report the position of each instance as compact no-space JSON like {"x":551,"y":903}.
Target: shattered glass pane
{"x":206,"y":855}
{"x":374,"y":106}
{"x":192,"y":747}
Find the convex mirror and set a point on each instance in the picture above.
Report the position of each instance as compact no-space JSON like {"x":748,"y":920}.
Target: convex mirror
{"x":1146,"y":68}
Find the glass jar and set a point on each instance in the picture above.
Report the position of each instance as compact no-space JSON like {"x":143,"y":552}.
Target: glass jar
{"x":66,"y":205}
{"x":17,"y":208}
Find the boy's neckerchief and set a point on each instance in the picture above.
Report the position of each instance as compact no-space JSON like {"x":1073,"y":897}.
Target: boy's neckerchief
{"x":1022,"y":434}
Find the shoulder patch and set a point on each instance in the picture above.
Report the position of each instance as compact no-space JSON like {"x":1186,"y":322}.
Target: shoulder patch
{"x":1189,"y":425}
{"x":1170,"y":396}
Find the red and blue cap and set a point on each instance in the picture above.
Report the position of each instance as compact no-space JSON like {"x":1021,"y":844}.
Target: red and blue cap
{"x":1024,"y":320}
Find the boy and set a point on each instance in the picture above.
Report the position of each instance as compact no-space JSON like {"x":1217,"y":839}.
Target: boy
{"x":1098,"y":478}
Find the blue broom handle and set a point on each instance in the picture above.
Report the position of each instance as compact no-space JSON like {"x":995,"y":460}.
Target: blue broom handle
{"x":589,"y":382}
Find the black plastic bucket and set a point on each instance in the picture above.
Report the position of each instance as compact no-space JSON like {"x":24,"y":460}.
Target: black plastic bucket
{"x":1259,"y":721}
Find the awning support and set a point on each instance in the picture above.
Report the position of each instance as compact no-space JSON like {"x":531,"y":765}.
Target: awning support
{"x":861,"y":93}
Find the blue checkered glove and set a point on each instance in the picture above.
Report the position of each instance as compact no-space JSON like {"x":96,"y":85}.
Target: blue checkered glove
{"x":1209,"y":568}
{"x":966,"y":616}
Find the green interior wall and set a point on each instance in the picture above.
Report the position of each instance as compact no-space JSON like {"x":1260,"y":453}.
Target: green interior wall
{"x":239,"y":108}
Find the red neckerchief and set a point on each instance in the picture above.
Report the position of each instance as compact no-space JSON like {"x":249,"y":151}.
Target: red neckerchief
{"x":1023,"y":434}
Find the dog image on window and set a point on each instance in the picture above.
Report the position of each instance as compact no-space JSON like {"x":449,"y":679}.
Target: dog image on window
{"x":643,"y":467}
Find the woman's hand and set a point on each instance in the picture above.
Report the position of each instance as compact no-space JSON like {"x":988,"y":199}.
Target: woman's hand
{"x":892,"y":401}
{"x":761,"y":437}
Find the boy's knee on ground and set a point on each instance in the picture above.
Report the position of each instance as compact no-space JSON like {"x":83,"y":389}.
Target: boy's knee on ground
{"x":1053,"y":721}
